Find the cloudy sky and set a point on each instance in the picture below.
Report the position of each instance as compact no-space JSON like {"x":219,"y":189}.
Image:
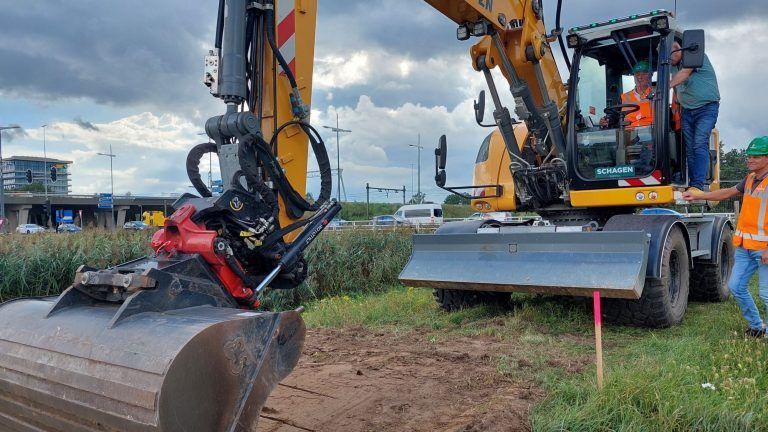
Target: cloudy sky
{"x":127,"y":74}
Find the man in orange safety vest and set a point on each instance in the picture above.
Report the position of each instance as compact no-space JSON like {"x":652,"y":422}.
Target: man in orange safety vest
{"x":641,"y":96}
{"x":751,"y":235}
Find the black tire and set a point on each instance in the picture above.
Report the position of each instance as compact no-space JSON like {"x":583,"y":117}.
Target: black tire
{"x":709,"y":281}
{"x":663,"y":302}
{"x":453,"y":300}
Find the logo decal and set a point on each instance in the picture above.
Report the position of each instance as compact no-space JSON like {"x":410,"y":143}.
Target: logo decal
{"x":236,"y":204}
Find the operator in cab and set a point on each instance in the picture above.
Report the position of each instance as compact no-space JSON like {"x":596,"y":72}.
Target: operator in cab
{"x":639,"y":95}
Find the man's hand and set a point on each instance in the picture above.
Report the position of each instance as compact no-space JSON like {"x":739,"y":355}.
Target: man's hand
{"x":764,"y":257}
{"x":690,"y":196}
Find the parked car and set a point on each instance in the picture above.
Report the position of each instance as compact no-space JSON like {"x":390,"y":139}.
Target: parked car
{"x":337,"y":222}
{"x":135,"y":225}
{"x":68,"y":228}
{"x":421,"y":213}
{"x":30,"y":229}
{"x":388,"y":220}
{"x":498,"y":216}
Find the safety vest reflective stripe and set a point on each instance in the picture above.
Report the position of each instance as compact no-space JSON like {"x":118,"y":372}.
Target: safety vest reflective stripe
{"x":752,"y":228}
{"x":756,"y":237}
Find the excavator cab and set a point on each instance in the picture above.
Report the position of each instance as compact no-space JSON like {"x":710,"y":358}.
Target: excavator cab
{"x":625,"y":147}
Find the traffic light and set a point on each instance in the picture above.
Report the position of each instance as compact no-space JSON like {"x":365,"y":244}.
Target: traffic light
{"x":29,"y":176}
{"x":53,"y":174}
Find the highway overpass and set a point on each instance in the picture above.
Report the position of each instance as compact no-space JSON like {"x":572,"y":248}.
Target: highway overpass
{"x":21,"y":208}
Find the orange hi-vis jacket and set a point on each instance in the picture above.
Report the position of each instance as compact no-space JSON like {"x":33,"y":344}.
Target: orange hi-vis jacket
{"x":644,"y":116}
{"x":752,"y":228}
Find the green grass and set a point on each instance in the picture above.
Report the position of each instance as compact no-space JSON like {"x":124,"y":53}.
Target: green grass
{"x":339,"y":262}
{"x":654,"y":380}
{"x":44,"y":264}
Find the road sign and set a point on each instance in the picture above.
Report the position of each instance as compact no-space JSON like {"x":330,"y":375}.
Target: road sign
{"x":217,"y":186}
{"x":105,"y":201}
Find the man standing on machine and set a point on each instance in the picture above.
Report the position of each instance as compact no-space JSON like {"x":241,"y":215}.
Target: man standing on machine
{"x":699,"y":95}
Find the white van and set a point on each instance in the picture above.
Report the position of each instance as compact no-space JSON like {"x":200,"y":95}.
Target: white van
{"x":421,"y":213}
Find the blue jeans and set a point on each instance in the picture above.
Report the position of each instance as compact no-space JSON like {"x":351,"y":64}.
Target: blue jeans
{"x":745,"y":264}
{"x":697,"y":127}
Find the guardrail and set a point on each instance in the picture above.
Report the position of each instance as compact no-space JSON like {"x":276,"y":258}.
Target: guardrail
{"x":419,"y":228}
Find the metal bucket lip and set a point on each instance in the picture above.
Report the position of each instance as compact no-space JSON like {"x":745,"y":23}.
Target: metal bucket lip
{"x":120,"y":405}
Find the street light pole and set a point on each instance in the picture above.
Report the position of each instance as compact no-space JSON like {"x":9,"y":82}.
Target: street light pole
{"x":2,"y":179}
{"x":111,"y":181}
{"x":418,"y":175}
{"x":338,"y":157}
{"x":45,"y":164}
{"x":45,"y":180}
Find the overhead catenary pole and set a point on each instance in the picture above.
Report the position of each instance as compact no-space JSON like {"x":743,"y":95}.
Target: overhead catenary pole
{"x":2,"y":182}
{"x":111,"y":181}
{"x":338,"y":155}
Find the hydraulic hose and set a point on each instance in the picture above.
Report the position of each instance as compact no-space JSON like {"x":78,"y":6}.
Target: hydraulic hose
{"x":193,"y":167}
{"x":560,"y":35}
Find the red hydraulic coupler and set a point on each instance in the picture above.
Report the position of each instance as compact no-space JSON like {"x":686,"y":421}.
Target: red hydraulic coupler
{"x":181,"y":235}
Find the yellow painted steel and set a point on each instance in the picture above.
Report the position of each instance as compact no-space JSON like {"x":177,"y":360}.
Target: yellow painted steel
{"x":502,"y":14}
{"x":293,"y":144}
{"x":495,"y":170}
{"x":645,"y":196}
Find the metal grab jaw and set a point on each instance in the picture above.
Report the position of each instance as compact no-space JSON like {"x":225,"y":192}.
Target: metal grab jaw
{"x":175,"y":355}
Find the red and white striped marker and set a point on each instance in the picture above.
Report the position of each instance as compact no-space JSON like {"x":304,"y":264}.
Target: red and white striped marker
{"x":651,"y":180}
{"x":286,"y":33}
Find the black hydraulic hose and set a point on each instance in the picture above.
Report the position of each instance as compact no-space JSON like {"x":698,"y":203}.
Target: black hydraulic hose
{"x":560,"y":35}
{"x":323,"y":162}
{"x":220,"y":24}
{"x":276,"y":51}
{"x":193,"y":167}
{"x":250,"y":170}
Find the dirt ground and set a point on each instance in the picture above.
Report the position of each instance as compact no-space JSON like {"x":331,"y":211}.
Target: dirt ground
{"x":364,"y":380}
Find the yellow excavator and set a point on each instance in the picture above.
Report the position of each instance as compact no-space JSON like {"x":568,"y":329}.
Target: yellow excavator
{"x":574,"y":157}
{"x":176,"y":341}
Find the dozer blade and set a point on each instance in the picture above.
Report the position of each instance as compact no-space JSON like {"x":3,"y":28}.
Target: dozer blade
{"x":203,"y":368}
{"x":559,"y":263}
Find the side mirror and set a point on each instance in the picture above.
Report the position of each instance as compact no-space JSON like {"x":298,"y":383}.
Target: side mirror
{"x":693,"y":49}
{"x":480,"y":107}
{"x":440,"y":178}
{"x":441,"y":152}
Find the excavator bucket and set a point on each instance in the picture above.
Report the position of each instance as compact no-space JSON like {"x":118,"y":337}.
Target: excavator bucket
{"x":558,"y":263}
{"x":169,"y":358}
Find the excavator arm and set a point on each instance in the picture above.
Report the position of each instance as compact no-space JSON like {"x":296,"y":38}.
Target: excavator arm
{"x":512,"y":36}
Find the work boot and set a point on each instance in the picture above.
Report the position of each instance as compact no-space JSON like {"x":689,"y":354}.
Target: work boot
{"x":754,"y":333}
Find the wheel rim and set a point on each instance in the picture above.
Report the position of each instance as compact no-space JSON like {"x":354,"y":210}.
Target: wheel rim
{"x":674,"y":276}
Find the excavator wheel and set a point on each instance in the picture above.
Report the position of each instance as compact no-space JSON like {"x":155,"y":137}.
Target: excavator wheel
{"x":453,"y":300}
{"x":709,"y":280}
{"x":663,"y":302}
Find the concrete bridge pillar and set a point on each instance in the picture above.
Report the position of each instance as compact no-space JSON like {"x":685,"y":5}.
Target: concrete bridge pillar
{"x":17,"y":214}
{"x":122,"y":213}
